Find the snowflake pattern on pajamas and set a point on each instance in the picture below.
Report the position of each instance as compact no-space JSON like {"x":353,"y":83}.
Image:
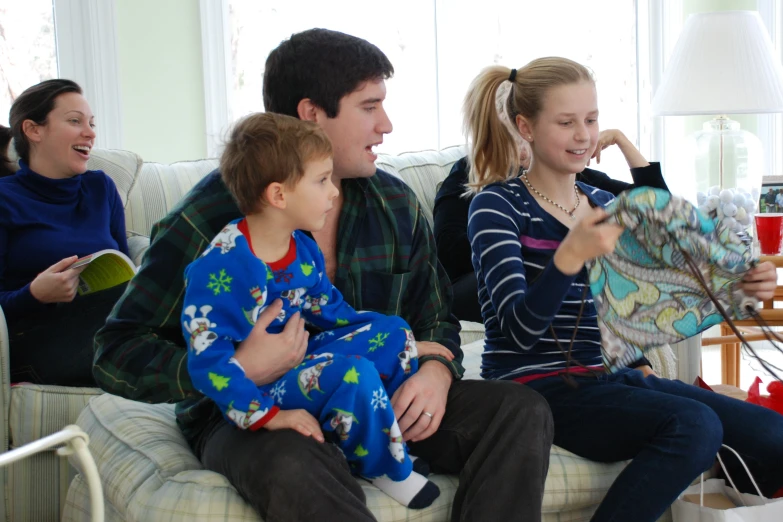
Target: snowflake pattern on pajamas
{"x":379,"y":398}
{"x":278,"y":391}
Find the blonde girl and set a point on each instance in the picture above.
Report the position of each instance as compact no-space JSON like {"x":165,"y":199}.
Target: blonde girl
{"x":531,"y":235}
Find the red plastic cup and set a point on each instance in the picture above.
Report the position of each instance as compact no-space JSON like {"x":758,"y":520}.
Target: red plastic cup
{"x":769,"y":228}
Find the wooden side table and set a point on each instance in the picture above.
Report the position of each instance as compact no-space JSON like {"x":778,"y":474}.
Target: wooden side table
{"x":729,"y":343}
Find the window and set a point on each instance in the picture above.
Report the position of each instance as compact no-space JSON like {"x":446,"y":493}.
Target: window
{"x":406,"y":36}
{"x":438,"y":47}
{"x":28,"y":53}
{"x":75,"y":39}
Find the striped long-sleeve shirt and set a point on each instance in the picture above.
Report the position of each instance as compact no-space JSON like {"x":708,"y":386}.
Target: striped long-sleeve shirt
{"x":521,"y":291}
{"x":386,"y":262}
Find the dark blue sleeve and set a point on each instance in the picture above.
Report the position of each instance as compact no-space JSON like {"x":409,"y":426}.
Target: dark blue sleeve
{"x":649,"y":176}
{"x":15,"y":302}
{"x":450,"y":222}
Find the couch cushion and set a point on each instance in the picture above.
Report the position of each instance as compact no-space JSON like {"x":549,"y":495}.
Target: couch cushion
{"x":77,"y":504}
{"x":36,"y":486}
{"x":38,"y":411}
{"x":148,"y":473}
{"x":122,"y":166}
{"x":471,"y":332}
{"x":148,"y":470}
{"x":137,"y":245}
{"x":158,"y":188}
{"x":422,"y":171}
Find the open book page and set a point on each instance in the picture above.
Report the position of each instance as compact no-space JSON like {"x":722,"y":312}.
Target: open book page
{"x":105,"y":269}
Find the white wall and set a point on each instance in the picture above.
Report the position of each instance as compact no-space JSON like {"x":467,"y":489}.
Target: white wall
{"x":161,"y":79}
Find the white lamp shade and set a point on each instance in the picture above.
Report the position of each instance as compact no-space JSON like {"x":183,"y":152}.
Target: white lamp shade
{"x":723,"y":63}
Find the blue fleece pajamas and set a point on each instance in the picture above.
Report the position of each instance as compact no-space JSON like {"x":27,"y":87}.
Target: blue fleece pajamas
{"x":352,"y":366}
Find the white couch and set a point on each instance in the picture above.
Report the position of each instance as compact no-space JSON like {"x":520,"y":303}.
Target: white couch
{"x":147,"y":469}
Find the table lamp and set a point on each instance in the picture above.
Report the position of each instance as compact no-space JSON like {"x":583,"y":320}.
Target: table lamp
{"x":723,"y":63}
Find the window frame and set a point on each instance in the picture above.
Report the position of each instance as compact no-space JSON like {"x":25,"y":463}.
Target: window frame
{"x":215,"y":46}
{"x":87,"y":53}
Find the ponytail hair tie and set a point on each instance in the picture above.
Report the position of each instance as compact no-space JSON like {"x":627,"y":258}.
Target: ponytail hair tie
{"x":512,"y":76}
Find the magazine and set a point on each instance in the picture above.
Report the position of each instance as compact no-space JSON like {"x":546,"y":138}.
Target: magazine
{"x":105,"y":269}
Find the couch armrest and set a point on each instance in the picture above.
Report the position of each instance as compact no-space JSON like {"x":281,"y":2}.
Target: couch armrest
{"x":471,"y":332}
{"x":138,"y":245}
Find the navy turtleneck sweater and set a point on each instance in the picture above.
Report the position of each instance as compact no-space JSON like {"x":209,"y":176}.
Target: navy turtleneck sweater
{"x":44,"y":220}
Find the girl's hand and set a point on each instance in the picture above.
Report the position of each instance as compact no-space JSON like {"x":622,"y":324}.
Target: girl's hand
{"x":588,"y":239}
{"x":761,"y":281}
{"x":431,"y":348}
{"x":57,"y":284}
{"x":298,"y":420}
{"x":610,"y":137}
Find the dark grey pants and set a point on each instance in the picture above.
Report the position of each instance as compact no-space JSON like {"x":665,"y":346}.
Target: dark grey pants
{"x":495,"y":435}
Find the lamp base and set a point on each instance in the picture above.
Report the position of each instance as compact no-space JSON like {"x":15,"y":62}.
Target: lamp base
{"x":727,"y":165}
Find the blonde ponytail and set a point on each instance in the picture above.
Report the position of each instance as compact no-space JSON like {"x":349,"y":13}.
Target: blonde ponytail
{"x":494,"y":155}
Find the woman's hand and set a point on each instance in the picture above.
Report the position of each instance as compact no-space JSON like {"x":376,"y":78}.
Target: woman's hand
{"x":610,"y":137}
{"x":58,"y":283}
{"x":761,"y":281}
{"x":588,"y":239}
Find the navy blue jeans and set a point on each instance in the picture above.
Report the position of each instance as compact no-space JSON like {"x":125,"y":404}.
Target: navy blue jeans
{"x":670,"y":429}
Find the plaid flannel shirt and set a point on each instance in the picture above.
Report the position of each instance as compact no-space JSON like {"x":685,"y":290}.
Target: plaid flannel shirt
{"x":386,"y":262}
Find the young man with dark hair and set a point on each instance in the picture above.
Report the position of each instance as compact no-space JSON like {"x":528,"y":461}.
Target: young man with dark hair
{"x":380,"y":253}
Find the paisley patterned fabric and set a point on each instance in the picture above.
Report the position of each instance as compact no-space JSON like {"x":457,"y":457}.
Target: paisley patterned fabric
{"x":645,"y":292}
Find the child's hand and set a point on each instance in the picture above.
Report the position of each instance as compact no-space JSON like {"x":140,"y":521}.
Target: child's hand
{"x":761,"y":281}
{"x":588,"y":239}
{"x":431,"y":348}
{"x":297,"y":420}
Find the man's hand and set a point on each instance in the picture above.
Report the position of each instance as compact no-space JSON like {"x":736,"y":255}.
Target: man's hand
{"x":266,"y":357}
{"x":425,"y":391}
{"x":298,"y":420}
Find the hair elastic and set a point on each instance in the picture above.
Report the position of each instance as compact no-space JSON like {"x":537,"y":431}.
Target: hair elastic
{"x":512,"y":76}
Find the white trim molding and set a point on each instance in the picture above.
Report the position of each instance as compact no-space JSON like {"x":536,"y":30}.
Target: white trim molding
{"x":87,"y":53}
{"x":215,"y":45}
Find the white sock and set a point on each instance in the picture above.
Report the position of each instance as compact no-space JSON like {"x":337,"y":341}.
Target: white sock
{"x":415,"y":492}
